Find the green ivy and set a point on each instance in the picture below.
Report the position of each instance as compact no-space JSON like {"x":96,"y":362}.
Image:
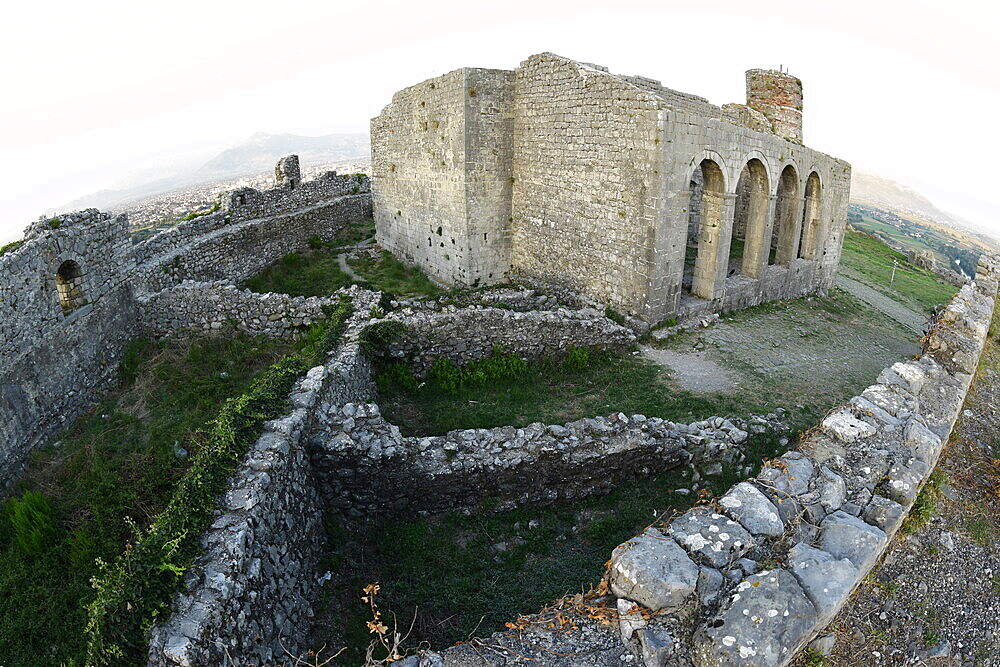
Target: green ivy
{"x":13,"y":245}
{"x":133,"y":591}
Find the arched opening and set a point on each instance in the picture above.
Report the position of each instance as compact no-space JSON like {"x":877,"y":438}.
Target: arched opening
{"x":746,"y":251}
{"x":69,"y":284}
{"x":704,"y":221}
{"x":785,"y":232}
{"x":809,"y":248}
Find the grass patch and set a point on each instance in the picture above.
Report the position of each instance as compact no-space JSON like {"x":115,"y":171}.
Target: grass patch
{"x":386,"y":273}
{"x":925,"y":506}
{"x":873,"y":260}
{"x":981,"y":531}
{"x":553,"y":391}
{"x":312,"y":272}
{"x":461,"y":574}
{"x":13,"y":245}
{"x":354,"y":233}
{"x":137,"y":587}
{"x":114,"y":465}
{"x":200,"y":214}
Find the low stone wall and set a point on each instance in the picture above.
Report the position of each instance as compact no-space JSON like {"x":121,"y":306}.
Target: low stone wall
{"x":363,"y":465}
{"x":249,"y":597}
{"x":467,"y":334}
{"x":825,"y":512}
{"x":219,"y":247}
{"x":219,"y":307}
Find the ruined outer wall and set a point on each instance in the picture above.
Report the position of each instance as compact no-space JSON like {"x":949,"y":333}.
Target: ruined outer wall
{"x":54,"y":364}
{"x":441,"y":176}
{"x":220,"y":308}
{"x":249,"y":598}
{"x":692,"y":138}
{"x":587,"y":180}
{"x":252,"y":230}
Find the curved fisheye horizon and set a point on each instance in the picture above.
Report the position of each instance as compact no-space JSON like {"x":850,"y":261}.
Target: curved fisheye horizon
{"x":121,"y":96}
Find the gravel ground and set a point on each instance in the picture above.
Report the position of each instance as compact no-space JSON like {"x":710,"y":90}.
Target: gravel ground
{"x":935,"y":598}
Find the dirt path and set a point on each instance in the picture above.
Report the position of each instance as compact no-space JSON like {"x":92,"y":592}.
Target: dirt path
{"x":876,"y":299}
{"x":693,"y":370}
{"x":935,"y":598}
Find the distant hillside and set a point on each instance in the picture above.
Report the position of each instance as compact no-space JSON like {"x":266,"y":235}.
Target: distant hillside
{"x":255,"y":155}
{"x":261,"y":151}
{"x":868,"y":188}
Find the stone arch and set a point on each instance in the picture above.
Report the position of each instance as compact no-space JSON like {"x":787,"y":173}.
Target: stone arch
{"x":747,"y":248}
{"x":69,"y":286}
{"x":787,"y":221}
{"x":810,"y":247}
{"x":708,"y":194}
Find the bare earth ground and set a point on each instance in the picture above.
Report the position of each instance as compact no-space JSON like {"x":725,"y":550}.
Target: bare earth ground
{"x":811,"y":350}
{"x":935,"y":598}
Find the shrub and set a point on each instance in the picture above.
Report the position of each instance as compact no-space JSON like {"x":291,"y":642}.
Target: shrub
{"x":396,"y":374}
{"x":498,"y":366}
{"x":133,"y":591}
{"x":315,"y":242}
{"x":32,"y":520}
{"x":614,"y":315}
{"x":375,"y":338}
{"x":13,"y":245}
{"x":577,"y":358}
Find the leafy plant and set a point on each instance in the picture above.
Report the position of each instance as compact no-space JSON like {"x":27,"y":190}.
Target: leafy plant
{"x":32,"y":520}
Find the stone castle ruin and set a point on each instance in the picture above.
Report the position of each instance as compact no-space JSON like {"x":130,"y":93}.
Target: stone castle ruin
{"x":638,"y":196}
{"x":632,"y":195}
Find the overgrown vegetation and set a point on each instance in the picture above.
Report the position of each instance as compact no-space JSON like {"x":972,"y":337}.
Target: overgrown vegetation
{"x":13,"y":245}
{"x":312,"y":272}
{"x":133,"y":590}
{"x":925,"y":505}
{"x":139,"y":470}
{"x":199,"y":214}
{"x":912,"y":285}
{"x":552,"y":391}
{"x":460,"y":574}
{"x":386,"y":273}
{"x":316,"y":270}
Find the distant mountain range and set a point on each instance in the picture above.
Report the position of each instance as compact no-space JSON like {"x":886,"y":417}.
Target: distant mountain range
{"x":256,"y":155}
{"x":868,"y":188}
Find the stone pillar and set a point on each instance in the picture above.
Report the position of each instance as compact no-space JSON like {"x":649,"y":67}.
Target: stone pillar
{"x":287,"y":173}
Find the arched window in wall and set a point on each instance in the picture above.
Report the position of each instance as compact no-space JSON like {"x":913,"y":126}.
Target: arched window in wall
{"x":810,"y":247}
{"x":785,"y":232}
{"x":69,"y":284}
{"x":704,"y":221}
{"x":746,"y":251}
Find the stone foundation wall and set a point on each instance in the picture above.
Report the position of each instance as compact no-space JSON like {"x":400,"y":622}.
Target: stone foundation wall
{"x":238,"y":251}
{"x":249,"y":596}
{"x":364,"y":466}
{"x":466,"y":334}
{"x":59,"y":357}
{"x":824,"y":513}
{"x":218,"y":308}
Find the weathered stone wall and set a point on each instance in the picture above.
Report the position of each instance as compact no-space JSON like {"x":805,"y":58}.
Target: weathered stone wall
{"x":249,"y":596}
{"x":602,"y":166}
{"x":252,"y":229}
{"x":57,"y":362}
{"x":586,"y":198}
{"x":825,"y":512}
{"x":364,"y":466}
{"x":466,"y":334}
{"x":219,"y":308}
{"x":778,"y":97}
{"x":441,"y":168}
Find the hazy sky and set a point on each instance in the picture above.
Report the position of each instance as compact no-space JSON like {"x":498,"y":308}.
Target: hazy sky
{"x":95,"y":89}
